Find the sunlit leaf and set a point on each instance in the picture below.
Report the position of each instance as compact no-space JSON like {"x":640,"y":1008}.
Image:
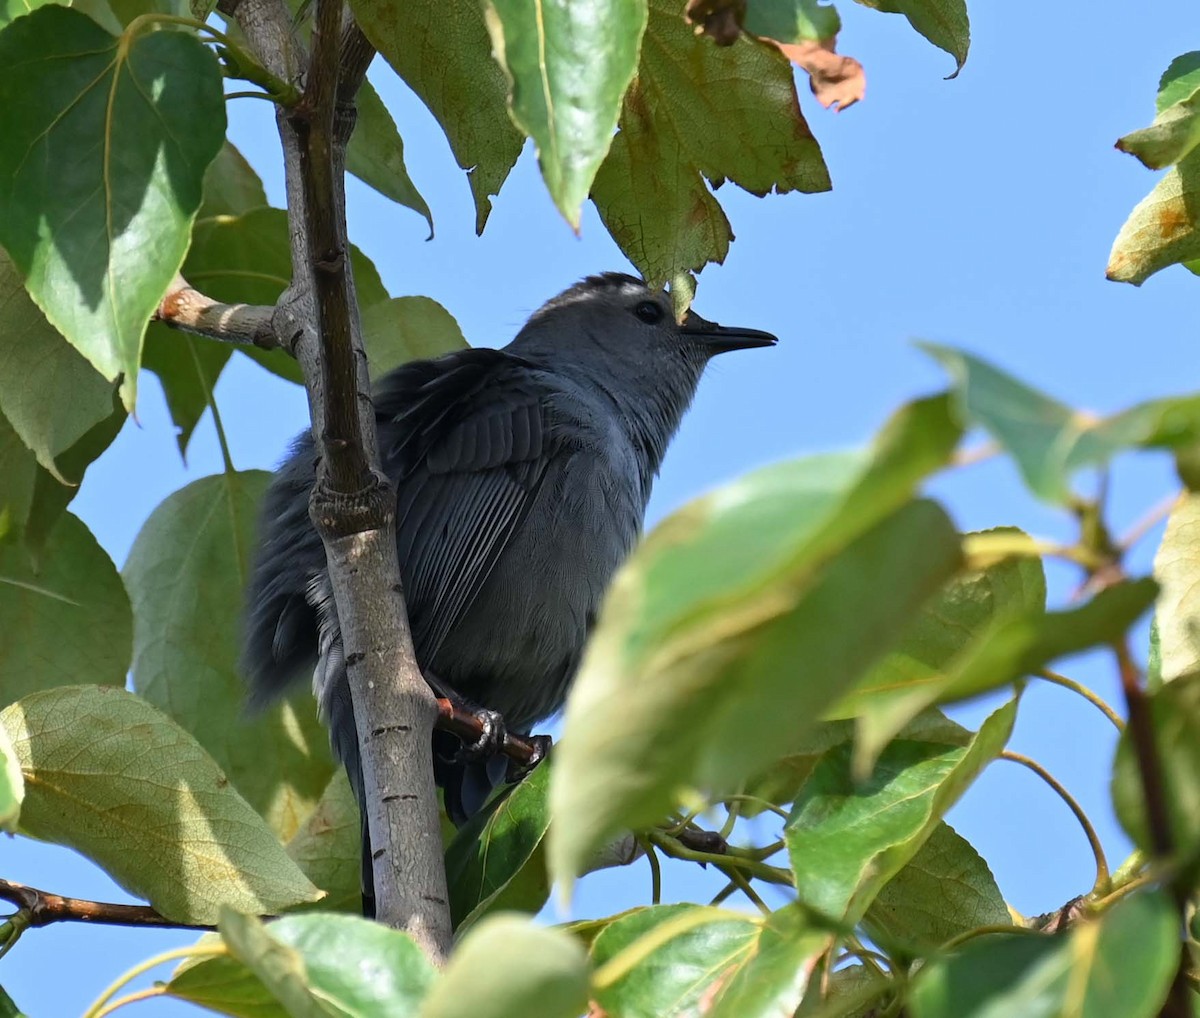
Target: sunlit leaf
{"x":66,"y":619}
{"x":12,"y":784}
{"x":568,"y":66}
{"x":943,"y":22}
{"x":408,"y":328}
{"x":188,"y":368}
{"x":847,"y":839}
{"x":328,"y":847}
{"x":106,"y":144}
{"x":1177,"y":570}
{"x":1118,"y":965}
{"x":376,"y":154}
{"x":508,"y":967}
{"x":114,"y":778}
{"x":186,"y":575}
{"x":231,"y":187}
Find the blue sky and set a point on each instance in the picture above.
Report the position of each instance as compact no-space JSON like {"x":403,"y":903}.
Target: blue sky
{"x":976,"y":212}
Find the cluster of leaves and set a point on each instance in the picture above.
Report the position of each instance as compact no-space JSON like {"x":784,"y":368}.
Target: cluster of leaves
{"x":779,"y":648}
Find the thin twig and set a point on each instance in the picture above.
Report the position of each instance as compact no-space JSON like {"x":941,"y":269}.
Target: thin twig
{"x":1153,"y":517}
{"x":187,"y":309}
{"x":976,"y":454}
{"x":43,"y":908}
{"x":1087,"y":694}
{"x":676,"y":849}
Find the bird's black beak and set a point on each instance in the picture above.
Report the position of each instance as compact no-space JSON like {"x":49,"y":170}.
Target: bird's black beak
{"x":715,"y":339}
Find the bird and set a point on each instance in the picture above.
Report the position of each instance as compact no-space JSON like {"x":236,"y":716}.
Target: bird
{"x":522,"y":476}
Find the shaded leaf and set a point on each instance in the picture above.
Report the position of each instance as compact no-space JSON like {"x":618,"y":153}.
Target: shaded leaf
{"x":8,"y":1008}
{"x":693,"y":947}
{"x":51,"y":396}
{"x":12,"y":784}
{"x":114,"y":778}
{"x":847,"y":839}
{"x":328,"y":847}
{"x":231,"y":187}
{"x":852,"y":992}
{"x":1048,"y":440}
{"x":18,"y":474}
{"x":408,"y":329}
{"x":98,"y":245}
{"x":690,"y":677}
{"x":497,"y":860}
{"x":376,"y":154}
{"x":442,"y":51}
{"x":1118,"y":965}
{"x":507,"y":967}
{"x":188,"y":368}
{"x":186,"y":575}
{"x":942,"y":891}
{"x":1175,"y":713}
{"x":696,"y":113}
{"x":67,"y":620}
{"x":943,"y":22}
{"x":1177,"y":570}
{"x":568,"y":66}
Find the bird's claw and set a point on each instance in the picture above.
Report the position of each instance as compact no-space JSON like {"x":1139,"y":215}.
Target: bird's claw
{"x":490,"y":741}
{"x":518,"y":771}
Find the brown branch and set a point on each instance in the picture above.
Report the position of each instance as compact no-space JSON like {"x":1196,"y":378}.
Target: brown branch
{"x":187,"y":309}
{"x":467,"y":726}
{"x":43,"y":908}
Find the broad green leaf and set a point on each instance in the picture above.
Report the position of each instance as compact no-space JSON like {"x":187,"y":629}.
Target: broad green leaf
{"x":792,"y":20}
{"x":98,"y":10}
{"x":1179,"y":80}
{"x":114,"y":778}
{"x":67,"y":619}
{"x":1175,"y":712}
{"x":51,"y":396}
{"x":850,"y":992}
{"x":328,"y":847}
{"x":942,"y":891}
{"x":773,"y":980}
{"x":1118,"y":965}
{"x":690,"y":679}
{"x":376,"y":154}
{"x":18,"y":474}
{"x":497,"y":860}
{"x":407,"y":329}
{"x":1177,"y":570}
{"x":106,"y":144}
{"x":1174,"y":133}
{"x":943,"y":22}
{"x":568,"y":66}
{"x":442,"y":51}
{"x":247,"y":259}
{"x":663,"y":960}
{"x":187,"y":576}
{"x":231,"y":187}
{"x":1048,"y":440}
{"x":847,"y":839}
{"x":12,"y":784}
{"x":699,"y":114}
{"x":1006,"y":651}
{"x":8,"y":1008}
{"x":508,"y":967}
{"x":188,"y":368}
{"x":312,"y":964}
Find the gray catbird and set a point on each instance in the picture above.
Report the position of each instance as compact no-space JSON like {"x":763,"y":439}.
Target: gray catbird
{"x":522,"y":477}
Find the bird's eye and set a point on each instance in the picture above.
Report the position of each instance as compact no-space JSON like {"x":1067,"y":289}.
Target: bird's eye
{"x":649,"y":311}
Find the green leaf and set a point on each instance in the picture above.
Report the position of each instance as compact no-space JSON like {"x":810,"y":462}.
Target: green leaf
{"x":1162,"y":229}
{"x":943,"y":22}
{"x":231,"y":187}
{"x":1175,"y":714}
{"x":568,"y":66}
{"x":690,"y":680}
{"x":408,"y":329}
{"x":847,"y":839}
{"x":67,"y":620}
{"x":376,"y":154}
{"x":1118,"y":965}
{"x":1009,"y":649}
{"x":1177,"y":570}
{"x":944,"y":890}
{"x":792,"y":20}
{"x":51,"y":396}
{"x":497,"y":860}
{"x":851,"y":992}
{"x":1174,"y":133}
{"x":313,"y":964}
{"x":186,"y":576}
{"x":1048,"y":440}
{"x":507,"y":967}
{"x":137,"y":120}
{"x":663,"y":960}
{"x":8,"y":1009}
{"x":442,"y":51}
{"x":12,"y":784}
{"x":248,"y":259}
{"x":328,"y":847}
{"x":114,"y":778}
{"x":699,"y":114}
{"x":98,"y":10}
{"x":188,"y":368}
{"x":18,"y":474}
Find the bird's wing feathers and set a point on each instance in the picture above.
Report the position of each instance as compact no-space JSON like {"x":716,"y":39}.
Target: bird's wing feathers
{"x":471,"y":446}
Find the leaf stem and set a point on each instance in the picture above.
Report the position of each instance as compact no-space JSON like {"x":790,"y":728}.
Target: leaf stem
{"x":1087,"y":694}
{"x":655,"y":872}
{"x":1103,"y":879}
{"x":677,"y":850}
{"x":210,"y":950}
{"x":132,"y":998}
{"x":211,"y":399}
{"x":983,"y":931}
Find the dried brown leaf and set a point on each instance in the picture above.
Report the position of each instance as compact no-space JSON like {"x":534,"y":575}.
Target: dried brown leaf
{"x":836,"y":81}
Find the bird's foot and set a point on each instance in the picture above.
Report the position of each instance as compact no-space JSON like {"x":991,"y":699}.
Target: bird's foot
{"x":518,"y":771}
{"x":490,"y":739}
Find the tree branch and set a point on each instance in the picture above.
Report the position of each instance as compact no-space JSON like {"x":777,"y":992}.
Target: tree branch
{"x":187,"y":309}
{"x":43,"y":908}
